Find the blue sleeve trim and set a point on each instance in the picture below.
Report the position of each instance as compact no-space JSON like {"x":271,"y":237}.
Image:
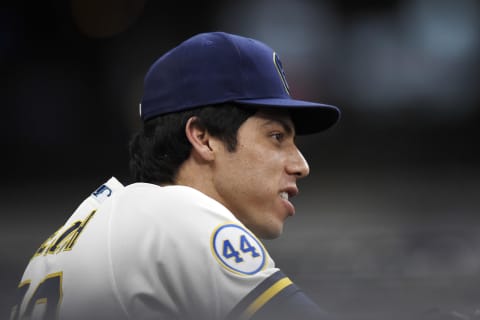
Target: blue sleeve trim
{"x":250,"y":298}
{"x":276,"y":298}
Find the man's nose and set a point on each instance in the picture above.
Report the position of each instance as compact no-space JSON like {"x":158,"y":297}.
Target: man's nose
{"x":297,"y":165}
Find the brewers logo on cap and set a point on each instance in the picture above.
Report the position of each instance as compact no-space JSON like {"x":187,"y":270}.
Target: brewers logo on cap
{"x":281,"y":73}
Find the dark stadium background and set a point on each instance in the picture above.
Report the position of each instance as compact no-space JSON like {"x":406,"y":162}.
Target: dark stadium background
{"x":387,"y":224}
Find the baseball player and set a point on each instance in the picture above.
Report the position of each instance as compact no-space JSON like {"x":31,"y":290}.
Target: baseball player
{"x":216,"y":166}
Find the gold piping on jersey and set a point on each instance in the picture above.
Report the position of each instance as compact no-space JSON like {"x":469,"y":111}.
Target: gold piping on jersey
{"x":266,"y":296}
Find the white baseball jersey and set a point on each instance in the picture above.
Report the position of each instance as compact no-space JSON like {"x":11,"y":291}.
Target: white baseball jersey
{"x":150,"y":252}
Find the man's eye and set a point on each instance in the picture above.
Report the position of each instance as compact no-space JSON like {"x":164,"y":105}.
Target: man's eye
{"x":278,"y":136}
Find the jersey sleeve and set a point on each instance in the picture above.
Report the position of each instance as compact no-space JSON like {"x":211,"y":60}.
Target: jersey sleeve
{"x":178,"y":254}
{"x":277,"y":297}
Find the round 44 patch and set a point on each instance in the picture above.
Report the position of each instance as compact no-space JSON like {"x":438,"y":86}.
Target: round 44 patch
{"x":238,"y":250}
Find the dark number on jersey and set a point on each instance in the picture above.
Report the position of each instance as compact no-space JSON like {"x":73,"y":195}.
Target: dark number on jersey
{"x":48,"y":293}
{"x":229,"y":250}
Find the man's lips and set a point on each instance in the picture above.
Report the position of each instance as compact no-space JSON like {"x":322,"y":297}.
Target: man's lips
{"x":285,"y":195}
{"x":289,"y":192}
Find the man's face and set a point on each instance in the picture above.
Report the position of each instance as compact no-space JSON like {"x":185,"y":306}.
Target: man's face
{"x":257,"y":180}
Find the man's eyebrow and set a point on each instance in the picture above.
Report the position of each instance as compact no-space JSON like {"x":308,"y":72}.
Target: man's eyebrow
{"x":285,"y":124}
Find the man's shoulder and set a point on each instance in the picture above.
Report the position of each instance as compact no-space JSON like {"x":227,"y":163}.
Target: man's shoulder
{"x":176,"y":196}
{"x":172,"y":203}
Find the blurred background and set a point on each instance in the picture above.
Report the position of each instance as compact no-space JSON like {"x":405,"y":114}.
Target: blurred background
{"x":386,"y":225}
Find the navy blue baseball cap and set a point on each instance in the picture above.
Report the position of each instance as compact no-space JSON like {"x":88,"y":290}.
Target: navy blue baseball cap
{"x":218,"y":67}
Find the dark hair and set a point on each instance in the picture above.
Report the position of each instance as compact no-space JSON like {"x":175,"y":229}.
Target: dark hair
{"x":160,"y":146}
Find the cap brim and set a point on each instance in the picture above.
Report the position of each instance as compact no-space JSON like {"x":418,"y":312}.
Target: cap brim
{"x":308,"y":117}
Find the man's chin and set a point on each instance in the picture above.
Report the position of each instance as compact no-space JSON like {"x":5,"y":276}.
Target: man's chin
{"x":270,"y":233}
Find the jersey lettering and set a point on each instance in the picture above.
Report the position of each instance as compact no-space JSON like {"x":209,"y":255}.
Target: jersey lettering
{"x":66,"y":240}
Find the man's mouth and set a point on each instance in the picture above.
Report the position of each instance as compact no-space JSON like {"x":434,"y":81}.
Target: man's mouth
{"x":284,"y":195}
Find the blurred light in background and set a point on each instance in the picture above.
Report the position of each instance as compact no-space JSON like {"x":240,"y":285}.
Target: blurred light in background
{"x":420,"y":56}
{"x":105,"y":18}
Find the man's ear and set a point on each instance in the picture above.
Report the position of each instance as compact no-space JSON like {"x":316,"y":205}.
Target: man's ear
{"x":199,"y":138}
